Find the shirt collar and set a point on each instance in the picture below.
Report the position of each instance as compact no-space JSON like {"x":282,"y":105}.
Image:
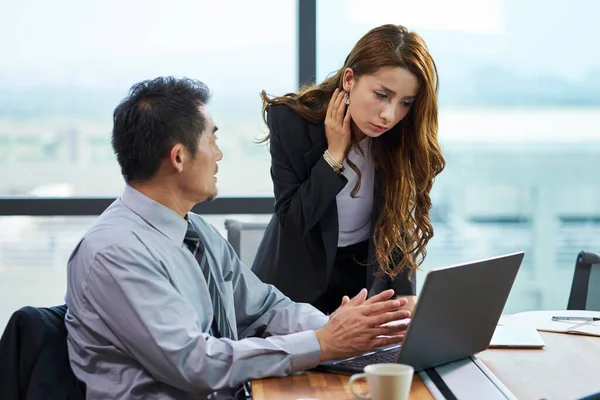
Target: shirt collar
{"x":162,"y":218}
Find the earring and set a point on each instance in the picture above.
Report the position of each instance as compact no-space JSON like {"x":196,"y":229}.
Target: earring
{"x":347,"y":98}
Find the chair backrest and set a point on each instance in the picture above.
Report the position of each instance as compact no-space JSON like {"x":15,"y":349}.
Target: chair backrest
{"x":34,"y":360}
{"x":585,"y":288}
{"x":245,"y":237}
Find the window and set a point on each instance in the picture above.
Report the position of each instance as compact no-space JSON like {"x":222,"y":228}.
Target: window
{"x":66,"y":65}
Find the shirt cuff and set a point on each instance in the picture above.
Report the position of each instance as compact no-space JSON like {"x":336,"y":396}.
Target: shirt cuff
{"x":304,"y":349}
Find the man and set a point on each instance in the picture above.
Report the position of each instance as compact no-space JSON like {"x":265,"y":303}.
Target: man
{"x":160,"y":307}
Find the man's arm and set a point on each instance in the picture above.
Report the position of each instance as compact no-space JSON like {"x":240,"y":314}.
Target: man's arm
{"x":262,"y":308}
{"x":129,"y":291}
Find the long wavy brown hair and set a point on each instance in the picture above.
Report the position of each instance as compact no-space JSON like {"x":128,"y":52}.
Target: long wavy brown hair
{"x":408,"y":157}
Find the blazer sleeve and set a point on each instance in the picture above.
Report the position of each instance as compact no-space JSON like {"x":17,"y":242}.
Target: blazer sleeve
{"x":300,"y":202}
{"x":403,"y":285}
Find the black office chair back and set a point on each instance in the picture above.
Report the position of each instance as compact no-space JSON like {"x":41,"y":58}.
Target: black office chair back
{"x":585,"y":288}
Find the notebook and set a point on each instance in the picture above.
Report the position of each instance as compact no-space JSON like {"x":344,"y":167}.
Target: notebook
{"x":542,"y":321}
{"x":518,"y":337}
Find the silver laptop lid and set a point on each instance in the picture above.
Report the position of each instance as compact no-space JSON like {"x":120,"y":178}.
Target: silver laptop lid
{"x":458,"y":309}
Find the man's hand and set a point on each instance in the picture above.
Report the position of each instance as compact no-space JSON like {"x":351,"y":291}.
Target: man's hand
{"x":410,"y":304}
{"x":360,"y":325}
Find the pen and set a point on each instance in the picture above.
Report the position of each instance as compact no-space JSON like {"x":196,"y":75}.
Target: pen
{"x":575,"y":318}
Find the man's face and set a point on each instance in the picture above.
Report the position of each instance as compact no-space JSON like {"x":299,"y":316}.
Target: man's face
{"x":200,"y":178}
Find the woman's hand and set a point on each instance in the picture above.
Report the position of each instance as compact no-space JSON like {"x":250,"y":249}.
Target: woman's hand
{"x":337,"y":126}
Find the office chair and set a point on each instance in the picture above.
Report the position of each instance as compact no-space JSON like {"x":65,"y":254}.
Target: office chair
{"x":245,"y":237}
{"x":585,"y":288}
{"x":34,"y":361}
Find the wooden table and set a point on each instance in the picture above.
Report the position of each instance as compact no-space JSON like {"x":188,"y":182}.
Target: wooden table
{"x":567,"y":368}
{"x":321,"y":386}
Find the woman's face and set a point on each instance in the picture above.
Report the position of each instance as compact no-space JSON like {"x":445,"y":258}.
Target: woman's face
{"x":379,"y":101}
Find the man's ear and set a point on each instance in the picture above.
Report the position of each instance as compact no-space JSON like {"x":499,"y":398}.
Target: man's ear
{"x":178,"y":157}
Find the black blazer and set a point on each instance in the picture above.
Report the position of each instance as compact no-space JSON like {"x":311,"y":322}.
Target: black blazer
{"x":34,"y":361}
{"x":299,"y":247}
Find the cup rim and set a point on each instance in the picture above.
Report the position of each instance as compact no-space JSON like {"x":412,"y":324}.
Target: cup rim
{"x":389,"y":369}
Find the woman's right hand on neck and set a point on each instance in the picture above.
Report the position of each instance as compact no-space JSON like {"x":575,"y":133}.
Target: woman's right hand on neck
{"x":337,"y":126}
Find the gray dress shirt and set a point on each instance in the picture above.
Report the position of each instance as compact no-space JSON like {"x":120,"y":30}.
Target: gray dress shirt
{"x":140,"y":311}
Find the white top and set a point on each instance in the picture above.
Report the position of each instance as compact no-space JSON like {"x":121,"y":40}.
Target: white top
{"x":354,"y":213}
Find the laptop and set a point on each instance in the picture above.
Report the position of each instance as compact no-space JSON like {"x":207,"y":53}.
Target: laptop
{"x":455,"y":317}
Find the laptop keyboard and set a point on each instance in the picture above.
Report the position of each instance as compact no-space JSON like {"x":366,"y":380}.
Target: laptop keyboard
{"x":386,"y":356}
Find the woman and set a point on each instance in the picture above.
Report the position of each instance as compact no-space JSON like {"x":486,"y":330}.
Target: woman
{"x":353,"y":163}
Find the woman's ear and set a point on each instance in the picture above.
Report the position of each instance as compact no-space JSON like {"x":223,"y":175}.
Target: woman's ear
{"x":348,"y":80}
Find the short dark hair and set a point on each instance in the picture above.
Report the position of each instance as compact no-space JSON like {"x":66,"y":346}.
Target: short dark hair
{"x":155,"y":115}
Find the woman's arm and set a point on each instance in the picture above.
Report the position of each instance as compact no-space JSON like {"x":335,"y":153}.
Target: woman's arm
{"x":299,"y":203}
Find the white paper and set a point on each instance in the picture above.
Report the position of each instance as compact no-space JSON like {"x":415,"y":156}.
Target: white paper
{"x":542,"y":321}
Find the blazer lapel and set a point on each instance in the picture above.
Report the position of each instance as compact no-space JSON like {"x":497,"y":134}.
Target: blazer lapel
{"x":329,"y":222}
{"x":318,"y":140}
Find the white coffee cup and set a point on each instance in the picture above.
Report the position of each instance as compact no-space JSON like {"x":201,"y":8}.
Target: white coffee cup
{"x":386,"y":381}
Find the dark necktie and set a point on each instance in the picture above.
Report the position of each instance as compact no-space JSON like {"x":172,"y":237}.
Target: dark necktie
{"x":220,"y":324}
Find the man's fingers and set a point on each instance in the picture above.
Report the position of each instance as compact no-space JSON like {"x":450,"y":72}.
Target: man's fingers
{"x":359,"y":298}
{"x":382,"y":296}
{"x":384,"y":318}
{"x":403,"y":301}
{"x":381,"y":307}
{"x":387,"y":340}
{"x":390,"y":330}
{"x":345,"y":300}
